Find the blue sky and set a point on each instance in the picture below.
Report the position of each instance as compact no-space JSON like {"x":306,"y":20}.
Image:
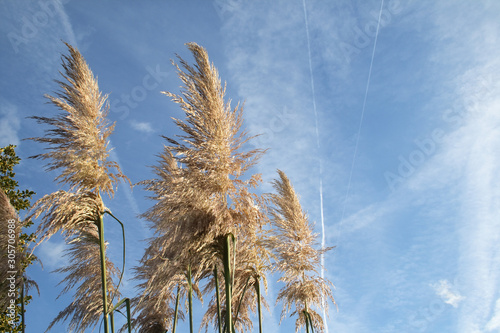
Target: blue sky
{"x":403,"y":125}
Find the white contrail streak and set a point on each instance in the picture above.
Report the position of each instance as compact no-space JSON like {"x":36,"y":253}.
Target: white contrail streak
{"x":360,"y":124}
{"x":311,"y":73}
{"x":318,"y":141}
{"x":68,"y":28}
{"x":319,"y":157}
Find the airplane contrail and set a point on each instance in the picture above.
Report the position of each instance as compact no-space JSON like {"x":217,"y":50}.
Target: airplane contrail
{"x":320,"y":161}
{"x":318,"y":142}
{"x":360,"y":122}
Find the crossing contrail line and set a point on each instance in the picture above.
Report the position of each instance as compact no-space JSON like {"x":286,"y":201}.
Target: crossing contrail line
{"x":360,"y":125}
{"x":320,"y":161}
{"x":318,"y":142}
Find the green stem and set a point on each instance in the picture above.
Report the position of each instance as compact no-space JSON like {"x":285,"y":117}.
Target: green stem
{"x":112,"y":321}
{"x":218,"y":299}
{"x":228,"y":280}
{"x":257,"y":289}
{"x":190,"y":299}
{"x":305,"y":316}
{"x":309,"y":322}
{"x":124,"y":245}
{"x":127,"y":301}
{"x":176,"y":308}
{"x":100,"y":228}
{"x":117,"y":306}
{"x":241,"y":298}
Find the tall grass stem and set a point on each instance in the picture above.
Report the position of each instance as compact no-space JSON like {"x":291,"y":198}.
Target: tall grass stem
{"x":176,"y":311}
{"x":100,"y":227}
{"x":228,"y":276}
{"x":217,"y":293}
{"x":190,"y":299}
{"x":112,"y":321}
{"x":259,"y":309}
{"x":241,"y":298}
{"x":124,"y":251}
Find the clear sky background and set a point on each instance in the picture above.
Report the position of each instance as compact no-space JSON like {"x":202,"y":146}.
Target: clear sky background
{"x":391,"y":139}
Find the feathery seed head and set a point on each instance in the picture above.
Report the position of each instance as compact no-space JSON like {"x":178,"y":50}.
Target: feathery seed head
{"x":294,"y":243}
{"x":200,"y":196}
{"x":78,"y":148}
{"x":78,"y":136}
{"x":83,"y":274}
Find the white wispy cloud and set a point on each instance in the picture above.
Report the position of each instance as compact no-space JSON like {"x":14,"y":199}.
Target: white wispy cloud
{"x":494,"y":323}
{"x":9,"y":124}
{"x":463,"y":176}
{"x":144,"y":127}
{"x":468,"y":167}
{"x":447,"y":293}
{"x":479,"y":258}
{"x":472,"y":152}
{"x":459,"y":180}
{"x":365,"y":216}
{"x":51,"y":253}
{"x":66,"y":23}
